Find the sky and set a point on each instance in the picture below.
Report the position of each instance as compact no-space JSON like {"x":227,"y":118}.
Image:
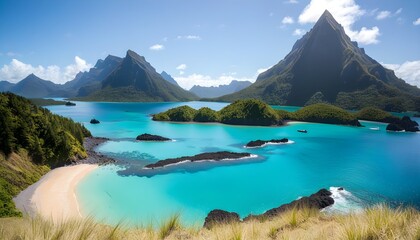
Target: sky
{"x":198,"y":42}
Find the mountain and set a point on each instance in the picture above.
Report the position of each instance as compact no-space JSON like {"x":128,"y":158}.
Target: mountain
{"x":326,"y":66}
{"x":212,"y":92}
{"x":35,"y":87}
{"x":136,"y":80}
{"x":86,"y":83}
{"x":168,"y":78}
{"x":5,"y":86}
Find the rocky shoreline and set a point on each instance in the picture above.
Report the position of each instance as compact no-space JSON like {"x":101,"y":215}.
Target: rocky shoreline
{"x":318,"y":200}
{"x":212,"y":156}
{"x":90,"y":143}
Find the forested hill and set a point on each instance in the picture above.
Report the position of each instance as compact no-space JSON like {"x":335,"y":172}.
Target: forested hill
{"x":32,"y":140}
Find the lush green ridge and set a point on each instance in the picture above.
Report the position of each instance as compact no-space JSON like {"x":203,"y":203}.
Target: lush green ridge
{"x":32,"y":140}
{"x":378,"y":222}
{"x":256,"y":112}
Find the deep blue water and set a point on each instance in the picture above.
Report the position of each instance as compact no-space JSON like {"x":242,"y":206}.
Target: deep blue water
{"x":373,"y":166}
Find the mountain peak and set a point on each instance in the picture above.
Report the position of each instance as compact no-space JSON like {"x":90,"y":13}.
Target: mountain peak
{"x":327,"y":19}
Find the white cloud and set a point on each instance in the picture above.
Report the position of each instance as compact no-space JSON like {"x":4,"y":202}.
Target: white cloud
{"x":346,"y":12}
{"x":398,"y":11}
{"x":291,"y":1}
{"x":189,"y":37}
{"x":298,"y":32}
{"x":408,"y":71}
{"x":287,"y":20}
{"x":383,"y":14}
{"x":157,"y":47}
{"x":417,"y":22}
{"x":368,"y":36}
{"x":182,"y":67}
{"x":17,"y":70}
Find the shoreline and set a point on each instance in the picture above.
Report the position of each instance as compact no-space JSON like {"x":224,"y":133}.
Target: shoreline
{"x":54,"y":195}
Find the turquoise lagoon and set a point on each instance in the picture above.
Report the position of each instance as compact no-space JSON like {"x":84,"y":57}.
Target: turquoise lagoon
{"x":373,"y":166}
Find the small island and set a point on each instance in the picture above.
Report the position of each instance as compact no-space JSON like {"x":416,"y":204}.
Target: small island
{"x":94,"y":121}
{"x":403,"y":124}
{"x":212,"y":156}
{"x":70,"y":104}
{"x":262,"y":143}
{"x":152,"y":138}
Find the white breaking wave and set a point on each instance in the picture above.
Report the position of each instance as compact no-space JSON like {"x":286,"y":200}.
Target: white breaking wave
{"x":344,"y":202}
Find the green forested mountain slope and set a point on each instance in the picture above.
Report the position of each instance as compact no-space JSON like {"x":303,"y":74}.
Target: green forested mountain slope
{"x":32,"y":140}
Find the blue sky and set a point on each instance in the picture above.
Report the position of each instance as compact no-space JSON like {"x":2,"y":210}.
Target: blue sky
{"x":197,"y":42}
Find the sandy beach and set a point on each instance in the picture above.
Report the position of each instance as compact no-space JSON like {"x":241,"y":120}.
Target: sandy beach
{"x":54,"y":195}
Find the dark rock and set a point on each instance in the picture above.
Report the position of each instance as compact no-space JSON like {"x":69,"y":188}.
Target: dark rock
{"x":94,"y":121}
{"x":218,"y":216}
{"x":259,"y":143}
{"x":403,"y":124}
{"x":340,"y":189}
{"x":302,"y":131}
{"x":69,"y":104}
{"x":150,"y":137}
{"x":214,"y":156}
{"x":318,"y":200}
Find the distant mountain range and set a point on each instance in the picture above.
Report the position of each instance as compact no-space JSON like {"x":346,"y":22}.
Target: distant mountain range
{"x":323,"y":66}
{"x":113,"y":79}
{"x":326,"y":66}
{"x":212,"y":92}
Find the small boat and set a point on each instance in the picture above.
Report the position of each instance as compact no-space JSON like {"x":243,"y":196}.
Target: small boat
{"x":374,"y":128}
{"x":302,"y":131}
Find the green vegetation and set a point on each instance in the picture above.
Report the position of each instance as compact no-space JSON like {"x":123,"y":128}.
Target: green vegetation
{"x":178,"y":114}
{"x":46,"y":102}
{"x":375,"y":114}
{"x":325,"y":113}
{"x":378,"y":222}
{"x":206,"y":114}
{"x":32,"y":140}
{"x":249,"y":112}
{"x":242,"y":112}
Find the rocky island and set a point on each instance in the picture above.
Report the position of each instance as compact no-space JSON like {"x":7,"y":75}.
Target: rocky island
{"x":403,"y":124}
{"x":151,"y":138}
{"x":212,"y":156}
{"x":262,"y":143}
{"x":94,"y":121}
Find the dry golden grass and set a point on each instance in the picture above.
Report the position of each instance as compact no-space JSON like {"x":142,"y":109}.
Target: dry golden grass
{"x":379,"y":222}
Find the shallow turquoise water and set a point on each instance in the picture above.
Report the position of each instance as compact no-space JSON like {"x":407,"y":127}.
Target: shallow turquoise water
{"x":373,"y":166}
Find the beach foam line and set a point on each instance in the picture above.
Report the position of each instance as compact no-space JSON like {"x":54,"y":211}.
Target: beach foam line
{"x":54,"y":195}
{"x":344,"y":202}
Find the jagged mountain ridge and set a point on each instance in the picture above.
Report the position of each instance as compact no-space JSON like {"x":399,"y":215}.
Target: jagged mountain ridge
{"x":327,"y":65}
{"x":168,"y":78}
{"x":136,"y":80}
{"x":212,"y":92}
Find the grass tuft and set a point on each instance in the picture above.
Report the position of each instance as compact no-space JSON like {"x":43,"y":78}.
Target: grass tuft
{"x":168,"y":226}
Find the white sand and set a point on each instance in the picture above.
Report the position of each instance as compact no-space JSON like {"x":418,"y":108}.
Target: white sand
{"x":54,"y":195}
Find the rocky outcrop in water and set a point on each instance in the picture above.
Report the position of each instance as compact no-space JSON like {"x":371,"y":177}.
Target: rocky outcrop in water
{"x":94,"y":121}
{"x":403,"y":124}
{"x":212,"y":156}
{"x":150,"y":137}
{"x":259,"y":143}
{"x":218,"y":216}
{"x":70,"y":104}
{"x":318,"y":200}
